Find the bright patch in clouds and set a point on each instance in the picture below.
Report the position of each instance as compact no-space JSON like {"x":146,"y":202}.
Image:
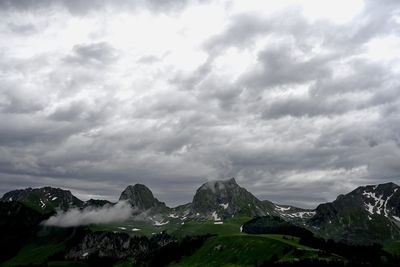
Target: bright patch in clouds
{"x":338,"y":11}
{"x":384,"y":48}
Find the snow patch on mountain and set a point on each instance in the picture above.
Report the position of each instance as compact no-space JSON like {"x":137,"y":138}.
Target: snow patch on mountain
{"x":379,"y":203}
{"x":303,"y":214}
{"x":281,"y":209}
{"x":369,"y":207}
{"x":215,"y":216}
{"x":225,"y":206}
{"x":157,"y":223}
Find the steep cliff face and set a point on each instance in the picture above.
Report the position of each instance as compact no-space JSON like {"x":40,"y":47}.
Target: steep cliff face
{"x":142,"y":199}
{"x":105,"y":244}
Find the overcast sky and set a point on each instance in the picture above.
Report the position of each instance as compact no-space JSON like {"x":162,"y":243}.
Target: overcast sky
{"x":298,"y":100}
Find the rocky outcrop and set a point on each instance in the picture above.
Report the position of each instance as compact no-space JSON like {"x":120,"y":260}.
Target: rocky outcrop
{"x":116,"y":245}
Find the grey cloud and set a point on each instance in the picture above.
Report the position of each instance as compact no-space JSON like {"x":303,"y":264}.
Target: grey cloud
{"x":148,"y":59}
{"x":18,"y":94}
{"x":279,"y":66}
{"x":69,"y":112}
{"x":28,"y":28}
{"x":81,"y":8}
{"x":305,"y":106}
{"x":92,"y":112}
{"x":95,"y":53}
{"x":362,"y":75}
{"x":23,"y":5}
{"x":242,"y":30}
{"x":17,"y":99}
{"x":24,"y":129}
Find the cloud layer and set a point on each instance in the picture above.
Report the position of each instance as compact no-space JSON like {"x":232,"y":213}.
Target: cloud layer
{"x":297,"y":100}
{"x":106,"y":214}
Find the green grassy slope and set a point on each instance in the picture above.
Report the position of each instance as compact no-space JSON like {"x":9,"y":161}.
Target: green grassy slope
{"x":290,"y":240}
{"x":392,"y":247}
{"x":175,"y":227}
{"x":47,"y":242}
{"x":245,"y":250}
{"x":229,"y":227}
{"x":35,"y":254}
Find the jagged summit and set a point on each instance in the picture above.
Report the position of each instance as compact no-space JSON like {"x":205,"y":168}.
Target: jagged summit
{"x":141,"y":198}
{"x":225,"y":198}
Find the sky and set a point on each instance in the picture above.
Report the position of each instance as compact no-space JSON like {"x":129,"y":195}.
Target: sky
{"x":298,"y":100}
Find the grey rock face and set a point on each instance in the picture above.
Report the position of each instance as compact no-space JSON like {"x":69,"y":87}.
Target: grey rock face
{"x":106,"y":244}
{"x":115,"y":245}
{"x":224,"y":199}
{"x":141,"y":198}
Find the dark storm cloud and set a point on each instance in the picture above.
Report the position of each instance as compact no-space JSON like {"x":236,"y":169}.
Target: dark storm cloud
{"x":311,"y":117}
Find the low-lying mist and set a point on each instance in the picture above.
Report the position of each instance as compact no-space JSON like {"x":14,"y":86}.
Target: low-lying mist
{"x":107,"y":214}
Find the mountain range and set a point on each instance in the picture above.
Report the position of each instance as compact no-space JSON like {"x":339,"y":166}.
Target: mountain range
{"x":368,"y":214}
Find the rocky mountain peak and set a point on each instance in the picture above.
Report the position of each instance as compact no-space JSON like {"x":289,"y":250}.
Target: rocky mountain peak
{"x":225,"y":198}
{"x":140,"y":197}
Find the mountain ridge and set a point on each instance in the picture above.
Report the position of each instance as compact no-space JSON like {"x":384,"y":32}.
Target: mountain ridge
{"x":44,"y":199}
{"x":367,"y":213}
